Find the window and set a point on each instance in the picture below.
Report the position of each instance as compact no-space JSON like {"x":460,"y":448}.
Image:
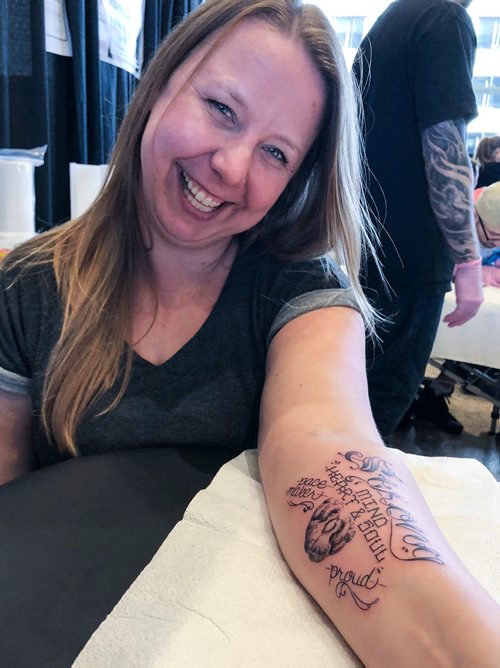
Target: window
{"x":481,"y":89}
{"x":495,"y":92}
{"x":488,"y":32}
{"x":349,"y":30}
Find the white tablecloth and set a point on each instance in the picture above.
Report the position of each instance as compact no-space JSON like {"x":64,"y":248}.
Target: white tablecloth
{"x":476,"y":342}
{"x":218,"y":593}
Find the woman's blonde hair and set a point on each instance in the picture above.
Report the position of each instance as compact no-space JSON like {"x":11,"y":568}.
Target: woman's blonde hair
{"x":321,"y":213}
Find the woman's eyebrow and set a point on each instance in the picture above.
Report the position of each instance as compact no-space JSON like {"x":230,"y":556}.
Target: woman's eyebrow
{"x":288,"y":142}
{"x":233,"y":93}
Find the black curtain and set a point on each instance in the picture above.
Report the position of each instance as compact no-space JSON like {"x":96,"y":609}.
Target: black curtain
{"x":159,"y":19}
{"x":72,"y":104}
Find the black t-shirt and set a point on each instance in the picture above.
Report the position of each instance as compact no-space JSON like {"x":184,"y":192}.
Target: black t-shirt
{"x":207,"y":394}
{"x":415,"y":69}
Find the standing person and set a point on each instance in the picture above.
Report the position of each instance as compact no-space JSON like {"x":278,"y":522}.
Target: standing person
{"x":196,"y":303}
{"x":414,"y":69}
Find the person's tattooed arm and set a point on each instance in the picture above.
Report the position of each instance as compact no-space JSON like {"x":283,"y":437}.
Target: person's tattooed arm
{"x":357,"y":534}
{"x":357,"y":504}
{"x":451,"y":183}
{"x":348,"y":515}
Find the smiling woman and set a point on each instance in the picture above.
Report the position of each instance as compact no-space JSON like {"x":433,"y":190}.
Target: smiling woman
{"x":199,"y":303}
{"x":214,"y":158}
{"x":241,"y":139}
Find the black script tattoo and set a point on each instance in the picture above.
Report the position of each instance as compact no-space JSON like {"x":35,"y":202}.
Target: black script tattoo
{"x":370,"y":464}
{"x":345,"y":581}
{"x":373,"y":538}
{"x":339,"y":482}
{"x":306,"y":505}
{"x":307,"y":488}
{"x":407,"y":541}
{"x":414,"y":543}
{"x":359,"y":495}
{"x":329,"y":529}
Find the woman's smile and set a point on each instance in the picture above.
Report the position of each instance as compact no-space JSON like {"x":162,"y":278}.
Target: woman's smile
{"x":198,"y":197}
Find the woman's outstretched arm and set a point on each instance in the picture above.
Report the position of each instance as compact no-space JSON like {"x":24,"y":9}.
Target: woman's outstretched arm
{"x":350,"y":520}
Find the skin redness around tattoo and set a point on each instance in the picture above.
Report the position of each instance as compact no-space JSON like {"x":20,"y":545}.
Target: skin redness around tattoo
{"x":358,"y":501}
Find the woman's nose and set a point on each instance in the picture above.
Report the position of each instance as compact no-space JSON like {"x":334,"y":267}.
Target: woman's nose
{"x":232,"y":162}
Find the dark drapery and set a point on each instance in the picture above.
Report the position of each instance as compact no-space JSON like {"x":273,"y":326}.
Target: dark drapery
{"x":159,"y":19}
{"x":74,"y":105}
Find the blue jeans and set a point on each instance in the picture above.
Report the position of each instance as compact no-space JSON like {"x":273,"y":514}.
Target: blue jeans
{"x":396,"y":366}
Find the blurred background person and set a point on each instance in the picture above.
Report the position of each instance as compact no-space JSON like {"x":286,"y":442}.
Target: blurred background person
{"x":417,"y":100}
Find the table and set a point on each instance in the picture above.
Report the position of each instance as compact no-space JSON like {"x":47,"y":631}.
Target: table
{"x":75,"y":535}
{"x":218,"y":593}
{"x":476,"y":342}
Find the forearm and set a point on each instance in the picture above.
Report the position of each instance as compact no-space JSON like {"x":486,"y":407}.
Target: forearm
{"x":357,"y":533}
{"x":451,"y":183}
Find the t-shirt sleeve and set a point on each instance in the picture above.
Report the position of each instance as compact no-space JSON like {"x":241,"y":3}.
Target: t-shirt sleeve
{"x":311,"y":301}
{"x":299,"y":288}
{"x":15,"y":371}
{"x":443,"y":57}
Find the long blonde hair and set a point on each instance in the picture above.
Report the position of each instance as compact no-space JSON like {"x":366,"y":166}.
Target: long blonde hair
{"x":321,"y":213}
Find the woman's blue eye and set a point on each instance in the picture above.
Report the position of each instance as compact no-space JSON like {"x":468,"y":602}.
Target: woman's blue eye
{"x":277,"y":153}
{"x":222,"y":108}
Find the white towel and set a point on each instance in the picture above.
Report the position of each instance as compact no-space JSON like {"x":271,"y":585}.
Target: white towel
{"x":475,"y":342}
{"x":218,"y":593}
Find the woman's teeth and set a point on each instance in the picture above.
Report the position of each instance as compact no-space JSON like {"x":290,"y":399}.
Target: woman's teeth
{"x":199,"y":199}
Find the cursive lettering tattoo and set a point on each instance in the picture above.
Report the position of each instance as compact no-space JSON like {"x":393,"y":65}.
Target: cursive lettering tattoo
{"x":370,"y":464}
{"x":408,"y":542}
{"x":349,"y":582}
{"x":359,"y":496}
{"x":307,"y":488}
{"x":306,"y":505}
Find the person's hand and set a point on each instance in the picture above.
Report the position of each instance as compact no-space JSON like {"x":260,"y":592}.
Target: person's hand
{"x":491,"y":275}
{"x":468,"y":291}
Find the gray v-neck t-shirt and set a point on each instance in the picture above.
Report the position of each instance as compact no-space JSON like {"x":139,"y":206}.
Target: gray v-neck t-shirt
{"x":207,"y":394}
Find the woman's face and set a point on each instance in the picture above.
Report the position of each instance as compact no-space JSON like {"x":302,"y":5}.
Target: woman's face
{"x":227,"y":134}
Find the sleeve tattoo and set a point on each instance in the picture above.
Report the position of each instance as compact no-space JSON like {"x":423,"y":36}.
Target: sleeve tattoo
{"x":450,"y":181}
{"x":358,"y":499}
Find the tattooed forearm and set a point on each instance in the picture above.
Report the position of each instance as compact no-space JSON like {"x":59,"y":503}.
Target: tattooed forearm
{"x":450,"y":181}
{"x":359,"y":500}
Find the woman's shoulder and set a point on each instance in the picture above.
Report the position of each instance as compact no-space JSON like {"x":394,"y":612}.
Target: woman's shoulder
{"x":322,"y":272}
{"x":26,"y":276}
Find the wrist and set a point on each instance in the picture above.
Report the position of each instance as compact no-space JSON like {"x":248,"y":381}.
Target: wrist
{"x":470,"y":263}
